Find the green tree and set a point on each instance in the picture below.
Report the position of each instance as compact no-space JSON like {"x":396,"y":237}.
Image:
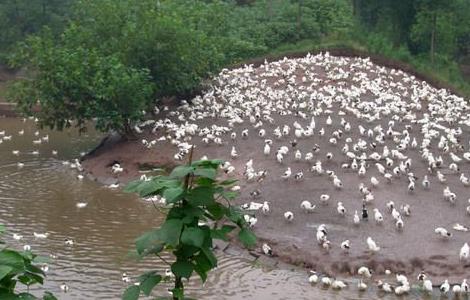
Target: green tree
{"x":197,"y":216}
{"x":392,"y":19}
{"x":462,"y":9}
{"x":145,"y":45}
{"x":80,"y":84}
{"x":20,"y":18}
{"x":434,"y":29}
{"x":146,"y":35}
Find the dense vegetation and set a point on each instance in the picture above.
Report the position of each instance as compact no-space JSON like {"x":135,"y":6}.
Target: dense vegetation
{"x":196,"y":218}
{"x":152,"y":49}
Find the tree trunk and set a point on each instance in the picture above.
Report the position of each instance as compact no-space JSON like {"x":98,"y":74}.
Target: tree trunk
{"x":128,"y":132}
{"x":433,"y":37}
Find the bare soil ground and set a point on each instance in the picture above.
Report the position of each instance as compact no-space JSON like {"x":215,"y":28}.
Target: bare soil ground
{"x":410,"y":251}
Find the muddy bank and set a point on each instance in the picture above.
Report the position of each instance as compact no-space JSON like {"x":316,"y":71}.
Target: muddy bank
{"x":410,"y":251}
{"x":7,"y":76}
{"x":8,"y":109}
{"x":295,"y":243}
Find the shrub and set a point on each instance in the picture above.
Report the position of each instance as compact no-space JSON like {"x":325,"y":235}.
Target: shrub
{"x":197,"y":216}
{"x":81,"y":84}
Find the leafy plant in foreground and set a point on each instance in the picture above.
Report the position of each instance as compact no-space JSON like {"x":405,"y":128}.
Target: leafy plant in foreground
{"x":18,"y":267}
{"x":196,"y":217}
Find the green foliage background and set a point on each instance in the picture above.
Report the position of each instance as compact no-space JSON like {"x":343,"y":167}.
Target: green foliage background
{"x":153,"y":49}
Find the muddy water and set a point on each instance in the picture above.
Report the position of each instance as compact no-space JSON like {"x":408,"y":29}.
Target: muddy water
{"x":42,"y":197}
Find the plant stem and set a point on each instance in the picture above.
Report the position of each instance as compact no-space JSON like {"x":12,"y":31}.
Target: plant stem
{"x":178,"y":286}
{"x":162,"y":259}
{"x":186,"y":179}
{"x":178,"y":280}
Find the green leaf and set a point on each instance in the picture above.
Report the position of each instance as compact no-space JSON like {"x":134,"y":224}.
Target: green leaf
{"x":149,"y":240}
{"x":221,"y":233}
{"x":215,"y":163}
{"x":230,"y":195}
{"x":41,"y":259}
{"x":148,"y":188}
{"x":4,"y":271}
{"x":210,"y":256}
{"x":2,"y":228}
{"x":155,"y":186}
{"x":35,"y":278}
{"x":48,"y":296}
{"x":167,"y":182}
{"x":24,"y":279}
{"x":186,"y":251}
{"x":182,"y":269}
{"x":192,"y":236}
{"x":235,"y":215}
{"x":7,"y":295}
{"x":173,"y":194}
{"x":202,"y":181}
{"x":181,"y":171}
{"x":247,"y":237}
{"x":132,"y":186}
{"x":148,"y":281}
{"x":12,"y":259}
{"x":206,"y":173}
{"x":202,"y":266}
{"x":207,"y":236}
{"x":26,"y":296}
{"x":201,"y":196}
{"x":176,"y":212}
{"x":34,"y":269}
{"x":228,"y":182}
{"x":170,"y":231}
{"x":131,"y":293}
{"x":191,"y":213}
{"x":227,"y":228}
{"x":27,"y":255}
{"x":217,"y":210}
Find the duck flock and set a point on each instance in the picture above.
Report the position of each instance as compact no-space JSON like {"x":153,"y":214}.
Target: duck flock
{"x":344,"y":166}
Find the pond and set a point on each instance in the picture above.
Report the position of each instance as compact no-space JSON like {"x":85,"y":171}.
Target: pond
{"x":42,"y":196}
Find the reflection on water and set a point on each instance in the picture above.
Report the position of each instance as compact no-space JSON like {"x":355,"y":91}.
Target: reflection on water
{"x":42,"y":197}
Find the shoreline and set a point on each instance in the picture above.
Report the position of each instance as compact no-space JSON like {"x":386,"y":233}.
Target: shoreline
{"x":8,"y":110}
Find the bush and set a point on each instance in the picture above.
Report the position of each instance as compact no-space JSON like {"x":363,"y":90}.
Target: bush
{"x":80,"y":84}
